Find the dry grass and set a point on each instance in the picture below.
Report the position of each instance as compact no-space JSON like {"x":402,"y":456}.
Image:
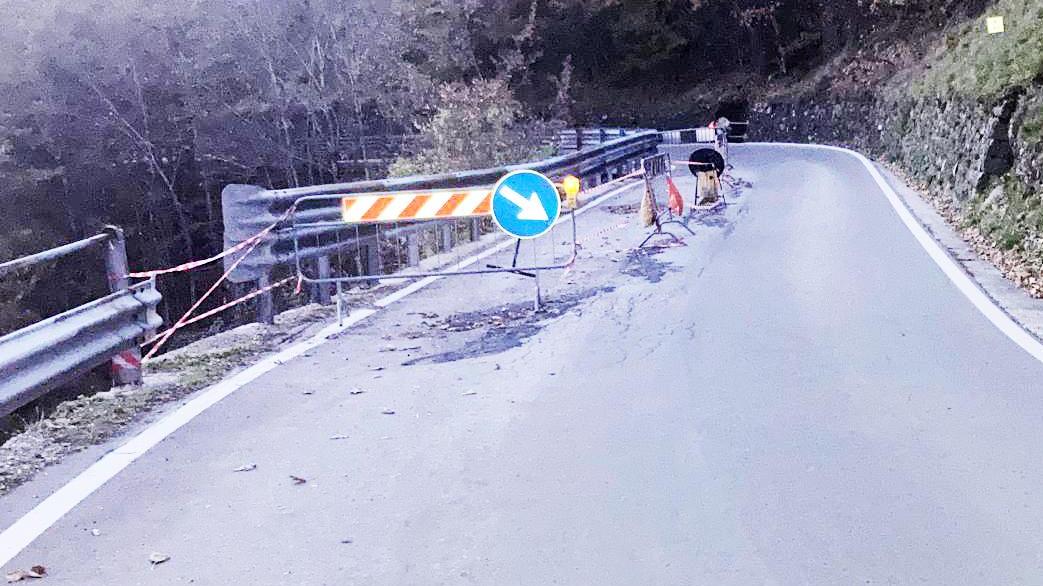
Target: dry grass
{"x":979,"y":65}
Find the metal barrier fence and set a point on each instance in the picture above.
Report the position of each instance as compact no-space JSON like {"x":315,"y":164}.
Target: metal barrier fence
{"x":372,"y":243}
{"x":577,"y":139}
{"x":249,"y":209}
{"x":41,"y":357}
{"x":690,"y":136}
{"x":658,"y":177}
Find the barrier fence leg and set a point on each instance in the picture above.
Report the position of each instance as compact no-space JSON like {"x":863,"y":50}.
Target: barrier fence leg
{"x":322,"y":290}
{"x":126,"y":366}
{"x":340,"y":306}
{"x":265,"y":302}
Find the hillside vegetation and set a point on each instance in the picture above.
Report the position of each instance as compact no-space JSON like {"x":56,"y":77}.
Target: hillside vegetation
{"x":987,"y":66}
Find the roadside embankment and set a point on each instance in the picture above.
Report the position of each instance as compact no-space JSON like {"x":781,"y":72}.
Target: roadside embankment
{"x":964,"y":124}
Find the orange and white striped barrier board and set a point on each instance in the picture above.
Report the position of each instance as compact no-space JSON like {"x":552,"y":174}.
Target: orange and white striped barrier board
{"x":416,"y":205}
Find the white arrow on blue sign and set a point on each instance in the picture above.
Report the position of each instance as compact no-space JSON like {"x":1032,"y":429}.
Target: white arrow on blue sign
{"x":525,"y":204}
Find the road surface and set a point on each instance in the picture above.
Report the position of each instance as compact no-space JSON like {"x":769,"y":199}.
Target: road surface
{"x":798,"y":396}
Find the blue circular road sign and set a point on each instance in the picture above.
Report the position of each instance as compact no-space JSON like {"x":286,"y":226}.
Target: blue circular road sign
{"x":525,"y":204}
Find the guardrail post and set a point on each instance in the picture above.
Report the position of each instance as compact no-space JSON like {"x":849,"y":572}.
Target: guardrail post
{"x":579,"y":138}
{"x":321,"y":293}
{"x":126,"y":366}
{"x":373,"y":264}
{"x":412,"y":249}
{"x":447,"y":236}
{"x":602,"y":135}
{"x":265,"y":301}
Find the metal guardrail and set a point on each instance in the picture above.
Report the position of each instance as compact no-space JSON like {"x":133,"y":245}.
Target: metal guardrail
{"x":52,"y":254}
{"x":52,"y":352}
{"x":248,"y":209}
{"x":576,"y":139}
{"x":47,"y":354}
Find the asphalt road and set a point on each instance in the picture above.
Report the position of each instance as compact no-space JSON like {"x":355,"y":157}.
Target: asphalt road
{"x":798,"y":396}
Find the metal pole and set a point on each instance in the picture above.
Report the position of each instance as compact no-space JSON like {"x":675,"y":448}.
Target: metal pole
{"x":535,"y":262}
{"x":340,"y":306}
{"x":373,"y":264}
{"x":447,"y":236}
{"x":52,"y":254}
{"x":126,"y":366}
{"x":265,"y":302}
{"x":412,"y":249}
{"x":322,"y":292}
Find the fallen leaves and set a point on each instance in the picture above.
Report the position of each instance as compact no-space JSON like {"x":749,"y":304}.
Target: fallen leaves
{"x":297,"y":480}
{"x":155,"y":558}
{"x":19,"y":575}
{"x":338,"y":437}
{"x":388,"y":412}
{"x":246,"y":468}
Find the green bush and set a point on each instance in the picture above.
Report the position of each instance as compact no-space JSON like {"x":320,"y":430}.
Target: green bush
{"x":475,"y":125}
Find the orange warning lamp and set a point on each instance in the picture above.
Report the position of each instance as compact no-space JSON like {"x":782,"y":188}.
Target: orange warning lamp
{"x":571,"y":186}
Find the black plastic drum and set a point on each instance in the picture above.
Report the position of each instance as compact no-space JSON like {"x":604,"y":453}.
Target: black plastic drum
{"x":706,"y":159}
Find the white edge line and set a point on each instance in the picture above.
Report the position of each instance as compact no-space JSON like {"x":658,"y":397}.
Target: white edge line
{"x":33,"y":524}
{"x":946,"y":263}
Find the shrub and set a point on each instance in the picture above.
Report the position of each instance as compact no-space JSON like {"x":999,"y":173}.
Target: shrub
{"x":475,"y":125}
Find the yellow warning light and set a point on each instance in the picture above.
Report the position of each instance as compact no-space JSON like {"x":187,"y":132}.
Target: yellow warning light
{"x":571,"y":186}
{"x":994,"y":25}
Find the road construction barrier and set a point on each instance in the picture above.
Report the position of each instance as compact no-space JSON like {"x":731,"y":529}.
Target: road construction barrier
{"x":662,"y":204}
{"x":720,"y":132}
{"x":403,"y":206}
{"x":708,"y":166}
{"x":428,"y":211}
{"x":320,"y":233}
{"x":690,"y":136}
{"x":47,"y":354}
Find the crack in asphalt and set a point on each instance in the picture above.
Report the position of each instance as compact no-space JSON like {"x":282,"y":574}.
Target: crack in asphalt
{"x":505,"y":327}
{"x":641,"y":263}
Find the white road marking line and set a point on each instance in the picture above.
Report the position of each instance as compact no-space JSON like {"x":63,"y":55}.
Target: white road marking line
{"x":33,"y":524}
{"x":970,"y":289}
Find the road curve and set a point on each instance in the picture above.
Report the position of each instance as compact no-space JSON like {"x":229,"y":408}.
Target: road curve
{"x":799,"y":396}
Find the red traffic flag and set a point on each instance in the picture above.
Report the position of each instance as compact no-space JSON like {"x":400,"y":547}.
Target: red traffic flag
{"x":676,"y":202}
